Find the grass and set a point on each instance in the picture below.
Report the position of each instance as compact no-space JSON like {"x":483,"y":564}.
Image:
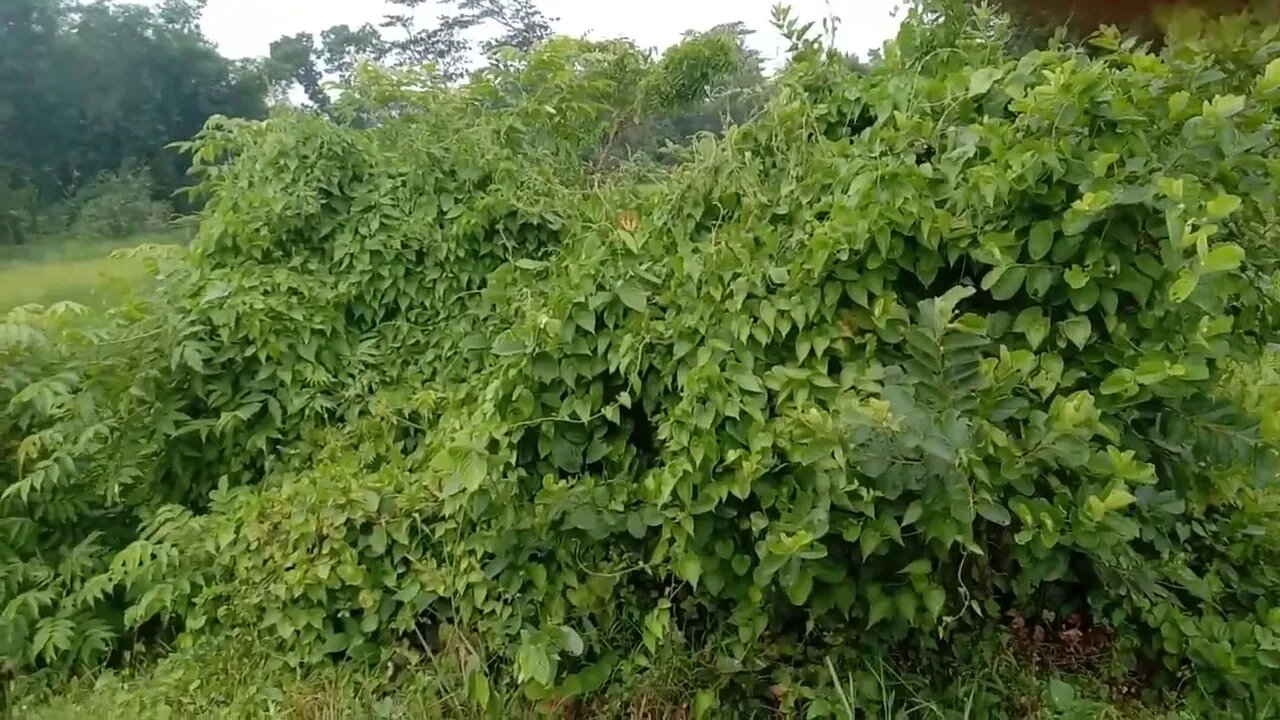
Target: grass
{"x":79,"y":271}
{"x":234,"y":679}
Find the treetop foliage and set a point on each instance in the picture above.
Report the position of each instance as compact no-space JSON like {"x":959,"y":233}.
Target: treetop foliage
{"x":924,"y":344}
{"x":88,"y":88}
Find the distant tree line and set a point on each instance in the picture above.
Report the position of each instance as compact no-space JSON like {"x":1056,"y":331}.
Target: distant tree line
{"x":94,"y":88}
{"x":92,"y":93}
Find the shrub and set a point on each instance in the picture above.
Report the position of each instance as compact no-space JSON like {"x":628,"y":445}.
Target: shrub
{"x":86,"y":411}
{"x":116,"y":205}
{"x":952,"y":338}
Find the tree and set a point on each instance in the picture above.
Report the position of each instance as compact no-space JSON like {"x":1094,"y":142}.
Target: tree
{"x":401,"y":41}
{"x":87,"y":88}
{"x":292,"y":59}
{"x":738,"y":89}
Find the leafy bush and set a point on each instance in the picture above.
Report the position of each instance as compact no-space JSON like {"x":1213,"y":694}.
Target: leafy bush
{"x":83,"y":400}
{"x":919,"y":347}
{"x":116,"y":205}
{"x":17,"y":204}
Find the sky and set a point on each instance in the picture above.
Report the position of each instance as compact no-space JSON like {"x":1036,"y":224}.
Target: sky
{"x":245,"y":28}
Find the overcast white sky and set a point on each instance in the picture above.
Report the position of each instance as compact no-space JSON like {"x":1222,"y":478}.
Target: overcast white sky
{"x":244,"y":28}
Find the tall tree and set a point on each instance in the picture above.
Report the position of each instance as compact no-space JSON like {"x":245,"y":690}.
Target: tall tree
{"x":292,"y":59}
{"x":403,"y":40}
{"x":87,"y":88}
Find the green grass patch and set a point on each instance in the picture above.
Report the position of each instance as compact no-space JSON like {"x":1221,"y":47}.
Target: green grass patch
{"x":222,"y":678}
{"x":80,"y":271}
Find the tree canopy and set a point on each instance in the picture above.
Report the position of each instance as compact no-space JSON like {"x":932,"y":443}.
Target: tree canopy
{"x":87,"y":88}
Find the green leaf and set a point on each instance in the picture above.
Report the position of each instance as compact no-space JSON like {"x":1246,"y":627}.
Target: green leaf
{"x":869,"y":540}
{"x":1118,"y":499}
{"x":479,"y":688}
{"x":982,"y":79}
{"x":192,"y":357}
{"x":993,"y":512}
{"x":1222,"y":206}
{"x":993,"y":276}
{"x":1041,"y":240}
{"x":1034,"y":325}
{"x":1039,"y":280}
{"x":689,"y":567}
{"x":532,"y":662}
{"x":1271,"y":76}
{"x":1076,"y":277}
{"x":632,"y":296}
{"x":1061,"y":695}
{"x":572,"y":641}
{"x":1226,"y":106}
{"x":913,"y":513}
{"x":1085,"y":298}
{"x":1009,"y":283}
{"x":799,"y":589}
{"x":921,"y":567}
{"x":1077,"y":329}
{"x":1119,"y":381}
{"x":507,"y":345}
{"x":881,"y":606}
{"x":1223,"y":258}
{"x":934,"y":598}
{"x":527,"y":264}
{"x":704,"y":703}
{"x":1182,"y":288}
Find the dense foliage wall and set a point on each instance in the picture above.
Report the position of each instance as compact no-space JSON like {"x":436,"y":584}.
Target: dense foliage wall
{"x":958,"y":336}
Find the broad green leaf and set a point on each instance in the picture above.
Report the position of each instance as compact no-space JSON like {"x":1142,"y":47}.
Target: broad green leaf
{"x":1222,"y":206}
{"x":1226,"y":106}
{"x":934,"y":599}
{"x":479,"y":691}
{"x":572,"y":641}
{"x":1223,"y":258}
{"x":1039,"y":280}
{"x":1034,"y":325}
{"x":1119,"y":381}
{"x":532,"y":662}
{"x":1182,"y":288}
{"x":994,"y":512}
{"x":1076,"y":277}
{"x":1271,"y":76}
{"x":993,"y":276}
{"x":1118,"y":499}
{"x":982,"y":79}
{"x":507,"y":345}
{"x":704,"y":703}
{"x":798,"y":590}
{"x":632,"y":296}
{"x":1061,"y":695}
{"x":1009,"y":284}
{"x":1084,"y":298}
{"x":690,"y":568}
{"x":1077,"y":329}
{"x":1040,"y":241}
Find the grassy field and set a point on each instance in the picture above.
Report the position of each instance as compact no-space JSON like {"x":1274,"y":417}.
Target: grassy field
{"x":83,"y":272}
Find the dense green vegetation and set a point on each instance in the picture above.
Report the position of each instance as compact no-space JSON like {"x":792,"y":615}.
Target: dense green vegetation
{"x":956,"y":359}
